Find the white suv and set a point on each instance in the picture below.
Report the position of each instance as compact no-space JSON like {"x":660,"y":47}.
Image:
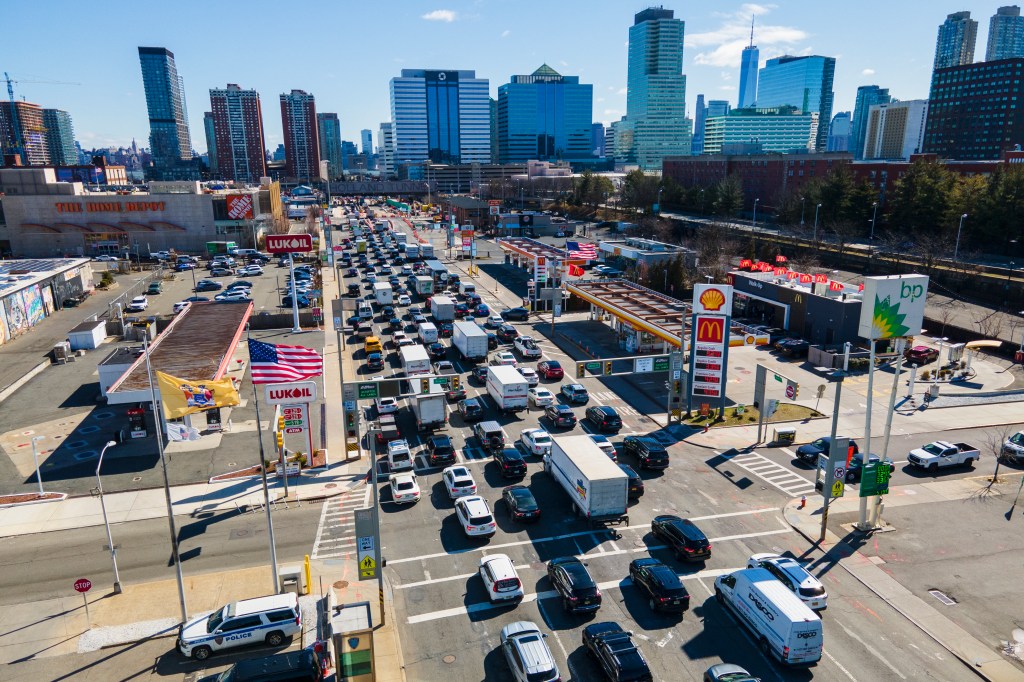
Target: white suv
{"x":527,"y":654}
{"x":268,"y":620}
{"x":458,"y":481}
{"x":475,"y":516}
{"x":794,"y":576}
{"x":500,"y":578}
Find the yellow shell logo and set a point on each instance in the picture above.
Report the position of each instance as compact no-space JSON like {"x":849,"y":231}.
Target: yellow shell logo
{"x":712,"y":299}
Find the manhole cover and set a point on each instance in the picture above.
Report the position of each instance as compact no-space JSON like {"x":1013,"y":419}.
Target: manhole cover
{"x":136,"y":479}
{"x":942,"y":597}
{"x":232,"y":464}
{"x":239,"y":533}
{"x":449,"y":659}
{"x":88,"y":454}
{"x":77,"y":444}
{"x":103,"y":415}
{"x":331,"y":485}
{"x":341,"y":585}
{"x":89,"y":429}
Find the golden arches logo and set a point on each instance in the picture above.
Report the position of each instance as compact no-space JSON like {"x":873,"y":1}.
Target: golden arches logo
{"x":712,"y":299}
{"x":710,"y":330}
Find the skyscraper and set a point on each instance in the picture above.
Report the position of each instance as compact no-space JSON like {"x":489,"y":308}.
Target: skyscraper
{"x":801,"y":82}
{"x":60,"y":137}
{"x":238,"y":130}
{"x":386,"y":147}
{"x":441,"y":116}
{"x":699,"y":118}
{"x":545,"y":116}
{"x":329,"y":130}
{"x":366,"y":140}
{"x":867,"y":97}
{"x":717,"y":107}
{"x":896,"y":129}
{"x":839,"y":132}
{"x":301,"y":145}
{"x":1005,"y":34}
{"x":597,"y":139}
{"x":211,"y":143}
{"x":22,"y":128}
{"x":749,"y":61}
{"x":955,"y":43}
{"x":655,"y":122}
{"x":169,"y":140}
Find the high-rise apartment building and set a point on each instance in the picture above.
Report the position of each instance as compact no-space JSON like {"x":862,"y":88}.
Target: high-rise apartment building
{"x":60,"y":137}
{"x":366,"y":141}
{"x":976,"y":111}
{"x":655,"y":125}
{"x":23,"y":129}
{"x":301,"y":144}
{"x":169,"y":139}
{"x":867,"y":97}
{"x":545,"y":116}
{"x":441,"y":116}
{"x":954,"y":45}
{"x":386,"y":148}
{"x":839,"y":132}
{"x":759,"y":131}
{"x":1005,"y":34}
{"x":211,"y":143}
{"x":329,"y":131}
{"x":238,"y":129}
{"x":896,"y":130}
{"x":749,"y":62}
{"x":700,"y":116}
{"x":802,"y":82}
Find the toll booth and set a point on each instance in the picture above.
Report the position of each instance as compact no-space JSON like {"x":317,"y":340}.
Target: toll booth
{"x":352,"y":640}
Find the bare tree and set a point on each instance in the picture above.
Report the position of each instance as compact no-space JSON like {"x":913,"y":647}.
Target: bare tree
{"x":944,"y":310}
{"x":992,"y":443}
{"x":990,"y":325}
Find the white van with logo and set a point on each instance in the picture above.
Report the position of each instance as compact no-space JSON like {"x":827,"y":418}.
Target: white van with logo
{"x":467,"y":288}
{"x":268,"y":620}
{"x":784,"y":627}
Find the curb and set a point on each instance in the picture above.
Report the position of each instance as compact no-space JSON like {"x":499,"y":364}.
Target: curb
{"x":10,"y":390}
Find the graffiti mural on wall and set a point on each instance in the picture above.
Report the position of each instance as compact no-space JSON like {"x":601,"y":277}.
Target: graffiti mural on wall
{"x":4,"y":334}
{"x":17,"y":318}
{"x":33,"y":305}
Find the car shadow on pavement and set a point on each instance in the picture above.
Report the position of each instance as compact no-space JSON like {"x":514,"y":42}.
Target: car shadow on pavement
{"x":720,"y":465}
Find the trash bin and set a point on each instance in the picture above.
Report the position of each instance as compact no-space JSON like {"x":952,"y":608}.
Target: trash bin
{"x":785,"y":435}
{"x":291,"y":579}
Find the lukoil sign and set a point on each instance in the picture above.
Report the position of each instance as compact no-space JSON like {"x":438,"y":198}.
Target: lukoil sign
{"x":296,"y":392}
{"x":893,"y":306}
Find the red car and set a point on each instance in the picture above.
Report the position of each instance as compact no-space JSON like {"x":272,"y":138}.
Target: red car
{"x":550,"y":369}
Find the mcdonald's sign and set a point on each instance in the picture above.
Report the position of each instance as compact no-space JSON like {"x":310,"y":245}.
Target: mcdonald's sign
{"x":710,"y":329}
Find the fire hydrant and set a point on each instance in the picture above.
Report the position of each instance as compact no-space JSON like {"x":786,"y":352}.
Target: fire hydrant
{"x":803,"y":501}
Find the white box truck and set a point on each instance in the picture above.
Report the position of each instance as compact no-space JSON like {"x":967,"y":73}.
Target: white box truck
{"x":442,"y":308}
{"x":431,"y":409}
{"x":427,"y":332}
{"x":508,"y":388}
{"x":426,"y":251}
{"x":598,"y":488}
{"x":424,"y":285}
{"x":471,"y":341}
{"x":784,"y":627}
{"x":402,"y":237}
{"x":412,"y":252}
{"x":384,"y":294}
{"x":415,"y":360}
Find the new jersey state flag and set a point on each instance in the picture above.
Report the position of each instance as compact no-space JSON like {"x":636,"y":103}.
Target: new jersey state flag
{"x":181,"y":396}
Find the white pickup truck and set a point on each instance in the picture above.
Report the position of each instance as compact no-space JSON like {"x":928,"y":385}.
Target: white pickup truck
{"x":527,"y":347}
{"x":940,"y":453}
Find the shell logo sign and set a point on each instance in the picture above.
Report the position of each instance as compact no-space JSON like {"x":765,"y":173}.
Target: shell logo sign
{"x":712,"y":298}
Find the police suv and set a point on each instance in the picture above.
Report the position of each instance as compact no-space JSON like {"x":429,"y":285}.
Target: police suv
{"x":268,"y":620}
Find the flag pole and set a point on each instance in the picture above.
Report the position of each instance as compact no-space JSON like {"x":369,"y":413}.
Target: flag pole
{"x":263,"y":476}
{"x":159,"y":423}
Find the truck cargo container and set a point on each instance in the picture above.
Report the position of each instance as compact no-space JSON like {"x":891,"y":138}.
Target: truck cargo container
{"x":470,"y":340}
{"x":508,"y":388}
{"x":442,"y":308}
{"x":598,"y":488}
{"x":414,"y":360}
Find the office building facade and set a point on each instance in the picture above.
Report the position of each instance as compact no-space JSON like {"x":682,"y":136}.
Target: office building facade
{"x":301,"y":142}
{"x":329,"y":136}
{"x":441,"y":116}
{"x":895,"y":130}
{"x":976,"y":111}
{"x":801,"y":82}
{"x":1005,"y":34}
{"x":60,"y":137}
{"x":238,"y":132}
{"x":954,"y":45}
{"x":749,"y":62}
{"x":756,"y":131}
{"x":386,"y":149}
{"x":169,"y":139}
{"x":700,"y":115}
{"x":366,"y":141}
{"x":867,"y":97}
{"x":839,"y":132}
{"x":545,"y":116}
{"x":655,"y":122}
{"x":597,"y":139}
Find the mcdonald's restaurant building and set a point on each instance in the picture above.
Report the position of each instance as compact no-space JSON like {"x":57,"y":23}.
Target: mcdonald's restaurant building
{"x":812,"y":311}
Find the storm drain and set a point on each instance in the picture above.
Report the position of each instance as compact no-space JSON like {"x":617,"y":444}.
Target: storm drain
{"x":88,"y":454}
{"x":942,"y":597}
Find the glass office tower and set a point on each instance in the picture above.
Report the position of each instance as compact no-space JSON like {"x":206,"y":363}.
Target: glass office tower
{"x":545,"y":116}
{"x":801,"y":82}
{"x":169,"y":140}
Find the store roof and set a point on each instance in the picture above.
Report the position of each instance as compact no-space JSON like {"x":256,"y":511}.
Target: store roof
{"x":19,"y":274}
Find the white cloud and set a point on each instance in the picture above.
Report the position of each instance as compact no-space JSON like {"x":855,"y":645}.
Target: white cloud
{"x":613,"y":112}
{"x":599,"y":99}
{"x":722,"y":46}
{"x":445,"y":15}
{"x":563,"y":62}
{"x":505,"y":33}
{"x":867,"y":72}
{"x":727,"y":87}
{"x":620,"y":91}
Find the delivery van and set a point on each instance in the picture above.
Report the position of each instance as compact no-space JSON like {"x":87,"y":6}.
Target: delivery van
{"x":783,"y":626}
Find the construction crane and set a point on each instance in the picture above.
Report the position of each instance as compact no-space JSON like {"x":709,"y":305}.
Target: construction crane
{"x":13,"y":144}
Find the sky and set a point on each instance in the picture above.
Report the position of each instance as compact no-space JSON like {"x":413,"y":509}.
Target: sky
{"x":345,"y":52}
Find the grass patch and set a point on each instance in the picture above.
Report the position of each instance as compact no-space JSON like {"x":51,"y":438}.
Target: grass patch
{"x":786,"y":412}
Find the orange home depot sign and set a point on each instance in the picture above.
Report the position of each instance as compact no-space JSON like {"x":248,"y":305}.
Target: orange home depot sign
{"x":109,"y":206}
{"x":239,"y":206}
{"x":710,"y":329}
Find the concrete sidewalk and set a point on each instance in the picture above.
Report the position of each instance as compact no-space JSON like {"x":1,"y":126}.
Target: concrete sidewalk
{"x":975,"y":654}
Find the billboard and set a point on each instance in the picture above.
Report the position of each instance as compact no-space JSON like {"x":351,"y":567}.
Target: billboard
{"x":708,"y":362}
{"x":893,"y":306}
{"x":712,"y":298}
{"x":239,"y":206}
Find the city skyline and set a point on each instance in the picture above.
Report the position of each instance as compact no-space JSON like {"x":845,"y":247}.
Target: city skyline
{"x":715,"y":38}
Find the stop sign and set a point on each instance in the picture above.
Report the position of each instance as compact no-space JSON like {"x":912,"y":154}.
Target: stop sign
{"x":790,"y":391}
{"x":83,"y":585}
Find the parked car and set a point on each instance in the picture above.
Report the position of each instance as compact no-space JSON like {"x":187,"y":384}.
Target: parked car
{"x":810,"y":451}
{"x":138,"y":304}
{"x":154,"y":288}
{"x":683,"y":536}
{"x":664,"y":590}
{"x":520,"y":503}
{"x":920,"y":355}
{"x":574,"y":584}
{"x":238,"y":294}
{"x":794,"y":348}
{"x":303,"y":301}
{"x":208,"y":285}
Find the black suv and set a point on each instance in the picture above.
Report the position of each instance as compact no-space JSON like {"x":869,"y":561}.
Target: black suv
{"x":613,"y":648}
{"x":687,"y":540}
{"x":506,"y":333}
{"x":636,"y":484}
{"x":471,"y":409}
{"x":572,"y":581}
{"x":437,"y":351}
{"x":375,"y":361}
{"x":521,"y":504}
{"x":521,"y":314}
{"x":303,"y":666}
{"x":510,"y":462}
{"x":649,"y":453}
{"x":440,"y":450}
{"x":604,"y":418}
{"x":664,"y":590}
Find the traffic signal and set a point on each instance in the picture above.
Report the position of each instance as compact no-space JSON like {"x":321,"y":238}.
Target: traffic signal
{"x":280,"y":423}
{"x":581,"y":370}
{"x":350,"y":423}
{"x":424,"y":385}
{"x":608,"y":367}
{"x":677,"y":386}
{"x":279,"y":439}
{"x":456,"y":381}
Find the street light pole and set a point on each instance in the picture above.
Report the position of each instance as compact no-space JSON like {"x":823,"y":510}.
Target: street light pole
{"x":802,"y":206}
{"x":874,"y":214}
{"x":956,"y":249}
{"x":35,"y":458}
{"x":816,"y":209}
{"x":103,"y":507}
{"x":755,"y":213}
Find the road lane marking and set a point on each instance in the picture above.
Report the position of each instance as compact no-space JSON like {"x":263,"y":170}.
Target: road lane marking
{"x":839,"y":665}
{"x":871,"y":650}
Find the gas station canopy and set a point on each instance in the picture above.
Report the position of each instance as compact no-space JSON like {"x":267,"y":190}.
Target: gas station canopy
{"x":655,"y":313}
{"x":531,"y":249}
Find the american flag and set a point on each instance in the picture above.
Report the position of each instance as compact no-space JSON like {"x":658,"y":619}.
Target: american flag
{"x":583,"y":251}
{"x":272,"y":364}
